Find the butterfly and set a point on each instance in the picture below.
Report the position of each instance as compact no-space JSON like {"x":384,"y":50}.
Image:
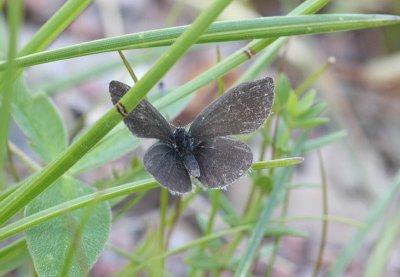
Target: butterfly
{"x":204,"y":151}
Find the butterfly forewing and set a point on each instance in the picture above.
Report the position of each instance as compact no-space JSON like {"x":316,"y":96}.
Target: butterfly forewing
{"x":240,"y":110}
{"x":222,"y":160}
{"x":144,"y":121}
{"x":163,"y":162}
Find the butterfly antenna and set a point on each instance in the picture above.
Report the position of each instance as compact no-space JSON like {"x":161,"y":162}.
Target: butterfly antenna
{"x":128,"y":67}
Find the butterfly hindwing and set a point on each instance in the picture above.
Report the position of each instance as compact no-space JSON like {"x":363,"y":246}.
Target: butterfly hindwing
{"x":222,"y":160}
{"x":241,"y":110}
{"x":144,"y":121}
{"x":164,"y":163}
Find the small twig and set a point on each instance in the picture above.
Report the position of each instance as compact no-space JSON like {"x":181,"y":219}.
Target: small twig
{"x":128,"y":67}
{"x":13,"y":169}
{"x":324,"y":231}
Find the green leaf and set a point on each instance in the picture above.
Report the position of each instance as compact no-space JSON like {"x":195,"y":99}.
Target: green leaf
{"x":310,"y":123}
{"x":40,"y":121}
{"x":264,"y":182}
{"x":13,"y":256}
{"x":77,"y":203}
{"x":306,"y":102}
{"x":312,"y":144}
{"x":282,"y":90}
{"x":292,"y":105}
{"x":49,"y":243}
{"x":314,"y":111}
{"x":277,"y":163}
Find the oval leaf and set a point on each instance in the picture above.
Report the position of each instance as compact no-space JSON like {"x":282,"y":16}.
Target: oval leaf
{"x":50,"y":242}
{"x":40,"y":121}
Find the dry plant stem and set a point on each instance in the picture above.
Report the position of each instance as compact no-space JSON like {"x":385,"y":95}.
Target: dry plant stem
{"x":215,"y":205}
{"x":264,"y":146}
{"x":324,"y":231}
{"x":22,"y":157}
{"x":251,"y":202}
{"x":277,"y":240}
{"x":274,"y":139}
{"x":163,"y":223}
{"x":286,"y":201}
{"x":13,"y":169}
{"x":314,"y":76}
{"x":128,"y":67}
{"x":300,"y":89}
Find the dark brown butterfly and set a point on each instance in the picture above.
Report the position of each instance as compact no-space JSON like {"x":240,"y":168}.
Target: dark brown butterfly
{"x":204,"y":150}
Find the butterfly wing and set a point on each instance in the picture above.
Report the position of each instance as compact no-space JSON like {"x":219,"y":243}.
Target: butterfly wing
{"x":240,"y":110}
{"x":222,"y":160}
{"x":164,"y":163}
{"x":144,"y":121}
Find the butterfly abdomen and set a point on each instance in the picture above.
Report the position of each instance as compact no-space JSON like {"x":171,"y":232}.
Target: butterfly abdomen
{"x":184,"y":146}
{"x":191,"y":164}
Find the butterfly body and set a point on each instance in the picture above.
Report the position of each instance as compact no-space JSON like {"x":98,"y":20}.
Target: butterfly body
{"x":185,"y":145}
{"x":204,"y":151}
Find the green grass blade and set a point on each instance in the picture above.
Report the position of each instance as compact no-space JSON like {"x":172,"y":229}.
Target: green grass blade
{"x":270,"y":231}
{"x":6,"y":92}
{"x":13,"y":256}
{"x":265,"y":217}
{"x":86,"y":200}
{"x":55,"y":25}
{"x":51,"y":29}
{"x":263,"y":61}
{"x":315,"y":143}
{"x":267,"y":27}
{"x":24,"y":194}
{"x":92,"y":71}
{"x":380,"y":256}
{"x":236,"y":59}
{"x":376,"y":213}
{"x":77,"y":203}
